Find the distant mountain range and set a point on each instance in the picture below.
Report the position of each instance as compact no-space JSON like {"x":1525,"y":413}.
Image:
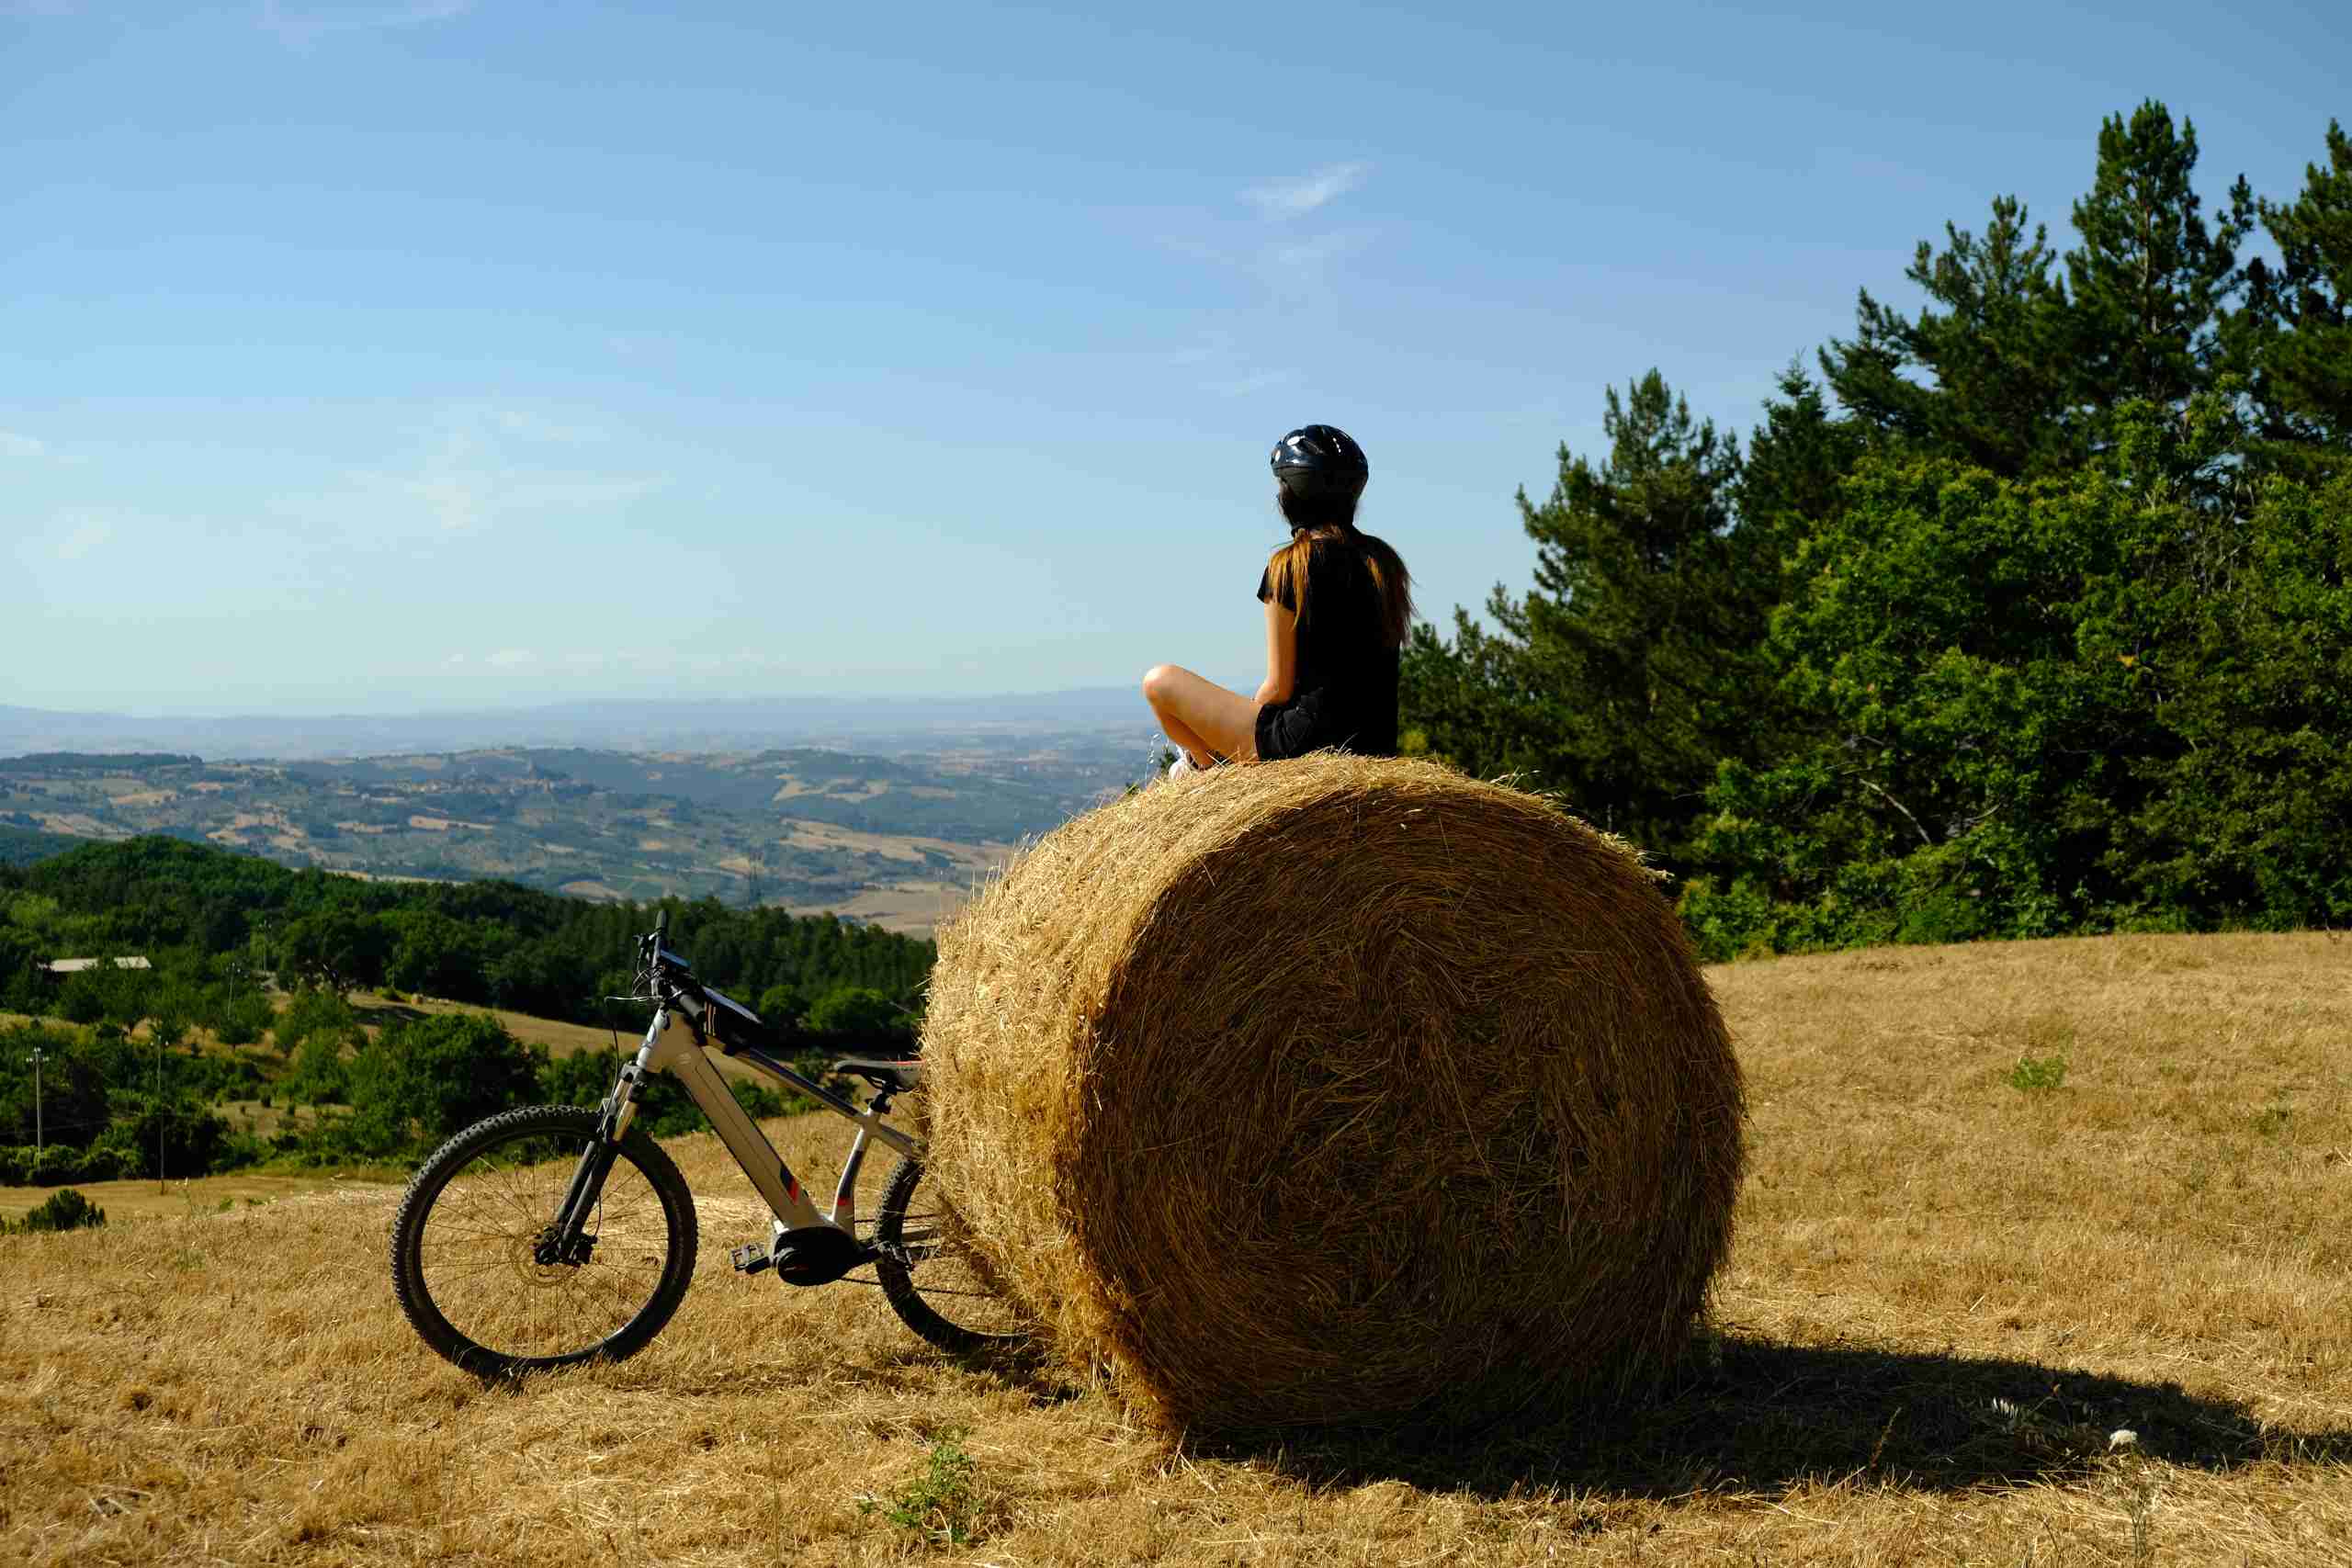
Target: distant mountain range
{"x":884,"y":725}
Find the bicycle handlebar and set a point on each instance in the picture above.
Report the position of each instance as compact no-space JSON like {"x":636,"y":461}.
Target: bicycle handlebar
{"x":710,"y":1011}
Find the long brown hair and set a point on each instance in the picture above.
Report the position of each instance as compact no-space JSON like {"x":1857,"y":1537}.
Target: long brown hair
{"x":1322,"y":523}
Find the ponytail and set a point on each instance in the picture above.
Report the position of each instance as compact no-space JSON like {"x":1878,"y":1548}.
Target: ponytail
{"x":1288,"y":574}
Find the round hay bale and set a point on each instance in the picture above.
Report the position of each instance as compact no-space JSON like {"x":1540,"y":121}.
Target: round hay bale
{"x":1337,"y":1090}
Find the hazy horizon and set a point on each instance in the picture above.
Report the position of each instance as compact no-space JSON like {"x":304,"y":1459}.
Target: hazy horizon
{"x":893,"y":725}
{"x":326,"y":709}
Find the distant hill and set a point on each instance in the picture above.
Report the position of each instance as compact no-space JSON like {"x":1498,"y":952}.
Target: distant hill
{"x":22,"y":846}
{"x":882,"y":725}
{"x":895,"y":839}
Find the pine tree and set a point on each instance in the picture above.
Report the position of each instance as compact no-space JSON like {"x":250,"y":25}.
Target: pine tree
{"x":1792,"y":479}
{"x":2000,"y":385}
{"x":2149,"y":282}
{"x":1617,"y":679}
{"x":2295,"y":333}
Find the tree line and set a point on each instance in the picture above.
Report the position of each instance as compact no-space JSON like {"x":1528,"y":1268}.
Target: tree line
{"x":105,"y":1107}
{"x":215,"y":925}
{"x":212,"y":922}
{"x":2026,"y":614}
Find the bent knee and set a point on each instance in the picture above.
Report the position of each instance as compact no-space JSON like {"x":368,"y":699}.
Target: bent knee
{"x":1159,"y":681}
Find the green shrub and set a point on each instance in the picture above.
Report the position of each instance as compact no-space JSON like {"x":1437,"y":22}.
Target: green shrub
{"x":2038,"y":1076}
{"x":195,"y":1140}
{"x":942,"y":1504}
{"x":421,"y":1080}
{"x":53,"y":1165}
{"x":245,"y":1020}
{"x":65,"y":1209}
{"x":320,"y":1076}
{"x":316,"y":1014}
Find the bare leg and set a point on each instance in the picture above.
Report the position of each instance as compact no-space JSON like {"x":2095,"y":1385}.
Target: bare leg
{"x":1201,"y":716}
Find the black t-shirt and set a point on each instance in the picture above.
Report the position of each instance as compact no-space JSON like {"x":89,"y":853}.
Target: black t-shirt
{"x":1346,"y":691}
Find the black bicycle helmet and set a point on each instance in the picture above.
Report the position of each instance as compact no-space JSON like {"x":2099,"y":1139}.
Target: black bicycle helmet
{"x":1320,"y":460}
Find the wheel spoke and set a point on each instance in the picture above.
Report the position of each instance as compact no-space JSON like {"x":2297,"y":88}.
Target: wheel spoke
{"x":932,"y":1281}
{"x":465,"y":1250}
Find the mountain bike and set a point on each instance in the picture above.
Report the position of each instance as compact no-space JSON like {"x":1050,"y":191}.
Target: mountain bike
{"x":558,"y":1234}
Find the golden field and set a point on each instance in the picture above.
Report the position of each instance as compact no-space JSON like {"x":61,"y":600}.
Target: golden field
{"x":1946,"y":1294}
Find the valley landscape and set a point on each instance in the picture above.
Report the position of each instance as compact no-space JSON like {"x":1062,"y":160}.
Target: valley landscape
{"x":894,"y":840}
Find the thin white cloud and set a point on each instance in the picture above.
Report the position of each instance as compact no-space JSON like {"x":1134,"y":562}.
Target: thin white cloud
{"x":82,"y":535}
{"x":511,"y":658}
{"x":1311,"y":255}
{"x":1294,"y":196}
{"x":475,"y":471}
{"x":15,"y":446}
{"x":539,"y":427}
{"x":1291,"y":246}
{"x":303,"y":22}
{"x":455,"y":659}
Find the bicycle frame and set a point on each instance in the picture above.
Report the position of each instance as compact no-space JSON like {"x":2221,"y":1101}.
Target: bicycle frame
{"x":685,"y":1055}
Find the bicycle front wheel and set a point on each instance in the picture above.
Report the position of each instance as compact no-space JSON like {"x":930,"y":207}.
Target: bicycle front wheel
{"x":931,"y":1275}
{"x":471,"y":1245}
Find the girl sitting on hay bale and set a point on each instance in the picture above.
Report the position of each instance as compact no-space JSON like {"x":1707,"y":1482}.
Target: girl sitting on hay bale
{"x":1337,"y":604}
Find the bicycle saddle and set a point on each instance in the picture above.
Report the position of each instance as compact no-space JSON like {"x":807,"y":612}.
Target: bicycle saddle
{"x":896,"y":1076}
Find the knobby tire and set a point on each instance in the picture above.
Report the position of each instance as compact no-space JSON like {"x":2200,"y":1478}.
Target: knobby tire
{"x":471,"y":1285}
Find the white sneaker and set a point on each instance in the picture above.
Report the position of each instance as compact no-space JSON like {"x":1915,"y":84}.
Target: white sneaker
{"x":1182,"y":767}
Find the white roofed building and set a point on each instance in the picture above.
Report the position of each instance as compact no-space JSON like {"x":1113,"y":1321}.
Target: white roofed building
{"x":77,"y":965}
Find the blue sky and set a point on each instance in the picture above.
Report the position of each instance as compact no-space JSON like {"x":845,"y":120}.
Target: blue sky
{"x":390,"y":357}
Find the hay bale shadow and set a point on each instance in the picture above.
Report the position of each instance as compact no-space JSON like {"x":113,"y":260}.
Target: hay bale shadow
{"x":1775,"y":1417}
{"x":1024,"y":1370}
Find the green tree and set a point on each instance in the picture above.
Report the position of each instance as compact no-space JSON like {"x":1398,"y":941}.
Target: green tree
{"x":544,"y":978}
{"x":783,"y":1005}
{"x":1620,"y":679}
{"x":2295,"y":333}
{"x":2243,"y":823}
{"x":193,"y":1140}
{"x":422,"y":1080}
{"x":319,"y":1075}
{"x":2035,"y":712}
{"x":1984,"y":373}
{"x":2150,"y":281}
{"x":435,"y":955}
{"x":20,"y":977}
{"x":314,"y":1015}
{"x":338,"y":949}
{"x":74,"y":1087}
{"x":856,"y":1009}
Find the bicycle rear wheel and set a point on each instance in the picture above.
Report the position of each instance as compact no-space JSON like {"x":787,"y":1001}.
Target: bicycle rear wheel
{"x":931,"y":1277}
{"x":470,"y":1245}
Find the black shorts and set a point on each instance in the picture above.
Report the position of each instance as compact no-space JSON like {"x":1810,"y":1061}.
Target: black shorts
{"x":1311,"y":723}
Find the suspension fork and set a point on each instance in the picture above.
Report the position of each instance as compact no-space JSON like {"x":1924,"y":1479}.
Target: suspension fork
{"x":561,"y":1240}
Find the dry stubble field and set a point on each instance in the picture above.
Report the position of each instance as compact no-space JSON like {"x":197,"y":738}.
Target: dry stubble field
{"x":1947,"y":1293}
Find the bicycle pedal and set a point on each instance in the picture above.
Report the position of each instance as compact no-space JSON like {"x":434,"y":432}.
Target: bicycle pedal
{"x":752,"y":1258}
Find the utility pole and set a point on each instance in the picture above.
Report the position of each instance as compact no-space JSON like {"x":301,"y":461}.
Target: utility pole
{"x":37,"y":1140}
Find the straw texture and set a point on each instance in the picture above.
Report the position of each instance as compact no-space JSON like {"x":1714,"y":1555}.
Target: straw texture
{"x":1336,"y":1091}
